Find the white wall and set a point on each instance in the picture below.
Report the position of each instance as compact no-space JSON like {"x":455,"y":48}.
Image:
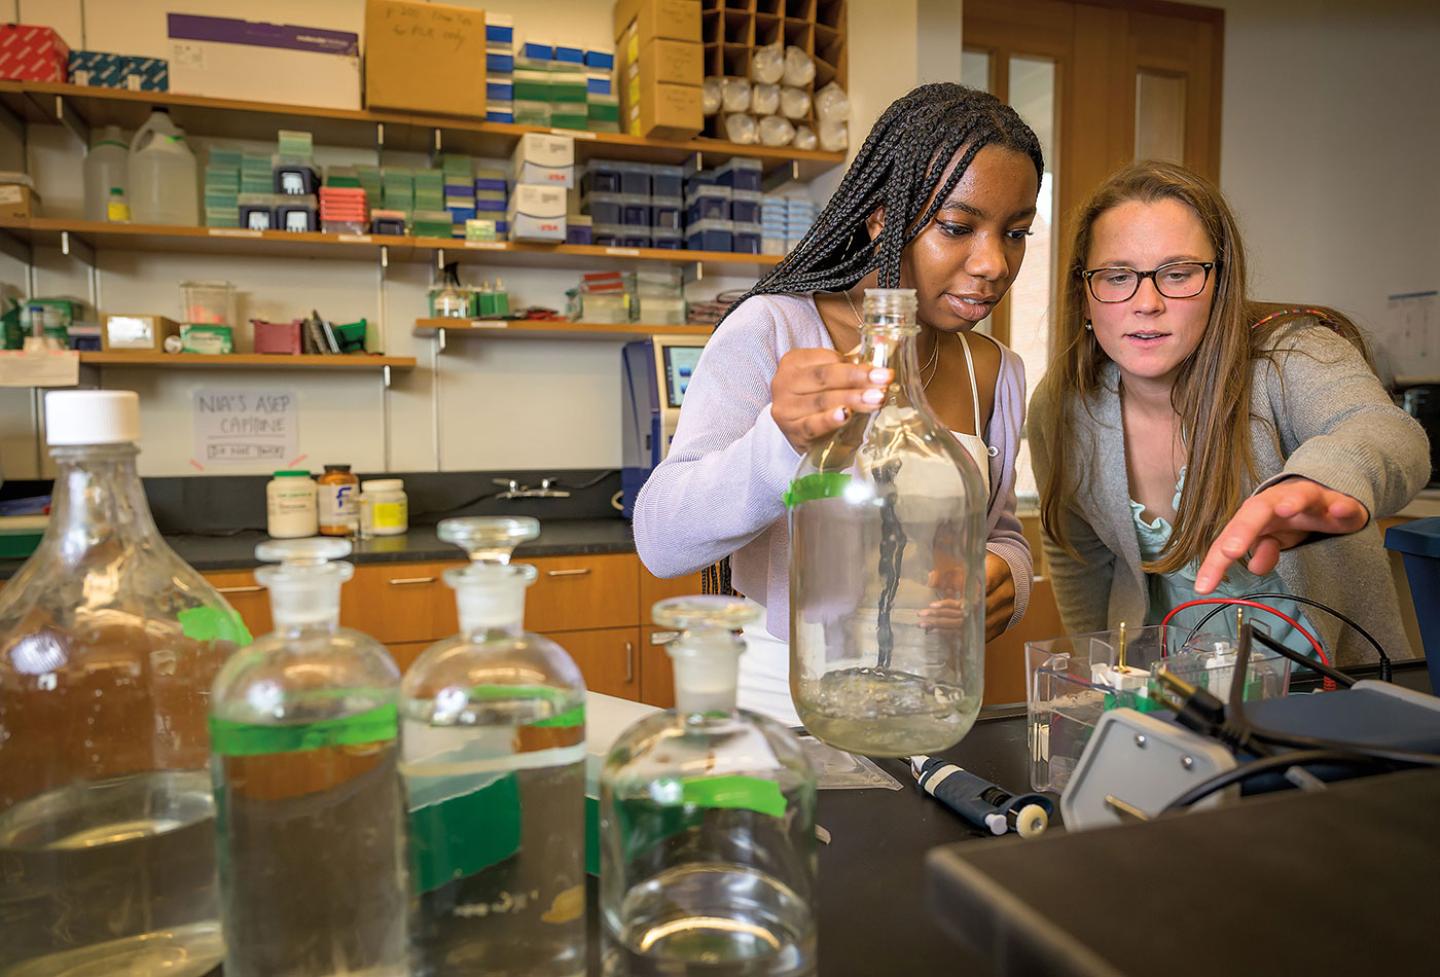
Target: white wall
{"x":1329,"y":148}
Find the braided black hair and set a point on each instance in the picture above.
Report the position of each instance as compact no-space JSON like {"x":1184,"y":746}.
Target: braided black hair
{"x":898,"y":168}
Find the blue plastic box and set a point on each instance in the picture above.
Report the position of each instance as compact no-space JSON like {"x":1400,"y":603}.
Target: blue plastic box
{"x":634,"y":178}
{"x":705,"y":203}
{"x":667,"y":212}
{"x":1418,"y":543}
{"x":503,"y":64}
{"x":745,"y":238}
{"x":605,"y":207}
{"x":537,"y":52}
{"x":600,"y":60}
{"x":601,"y":176}
{"x":635,"y":210}
{"x":668,"y":238}
{"x":666,"y":180}
{"x":710,"y":235}
{"x":741,"y":174}
{"x":745,"y":206}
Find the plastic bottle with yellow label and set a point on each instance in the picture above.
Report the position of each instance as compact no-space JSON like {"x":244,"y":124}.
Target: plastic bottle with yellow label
{"x":384,"y":507}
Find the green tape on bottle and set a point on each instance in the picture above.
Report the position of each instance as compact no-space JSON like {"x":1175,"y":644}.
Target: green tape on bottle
{"x":213,"y":624}
{"x":463,"y":835}
{"x":229,"y":738}
{"x":816,"y":485}
{"x":574,"y":716}
{"x":734,"y":793}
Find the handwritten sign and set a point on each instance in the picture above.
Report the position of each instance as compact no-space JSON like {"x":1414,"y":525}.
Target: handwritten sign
{"x":243,"y":425}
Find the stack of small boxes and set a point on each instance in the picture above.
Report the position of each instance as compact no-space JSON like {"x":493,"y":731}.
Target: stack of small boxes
{"x":550,"y":86}
{"x":397,"y":198}
{"x":222,"y":187}
{"x":723,"y":207}
{"x":660,"y":67}
{"x":296,"y":181}
{"x":458,"y":173}
{"x":491,"y":201}
{"x":542,"y":170}
{"x":499,"y":68}
{"x":799,"y":216}
{"x":430,"y":218}
{"x":342,"y":202}
{"x":634,"y":205}
{"x":601,"y":100}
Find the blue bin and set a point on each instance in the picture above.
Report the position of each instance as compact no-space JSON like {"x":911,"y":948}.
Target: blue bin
{"x":1418,"y":543}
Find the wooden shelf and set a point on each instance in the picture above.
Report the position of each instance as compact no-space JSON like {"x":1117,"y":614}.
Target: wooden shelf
{"x":70,"y":235}
{"x":538,"y":329}
{"x":51,"y":103}
{"x":234,"y":361}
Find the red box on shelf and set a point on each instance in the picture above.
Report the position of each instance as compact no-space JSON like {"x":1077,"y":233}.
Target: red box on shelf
{"x":277,"y":337}
{"x":30,"y":53}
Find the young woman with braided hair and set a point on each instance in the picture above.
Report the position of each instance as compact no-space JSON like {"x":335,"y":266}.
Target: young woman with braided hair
{"x":1190,"y":441}
{"x":940,"y":199}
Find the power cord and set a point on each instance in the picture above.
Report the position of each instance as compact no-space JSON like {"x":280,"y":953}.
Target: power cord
{"x":1386,"y":672}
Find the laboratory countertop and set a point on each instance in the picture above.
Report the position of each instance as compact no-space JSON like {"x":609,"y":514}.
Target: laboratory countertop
{"x":558,"y":537}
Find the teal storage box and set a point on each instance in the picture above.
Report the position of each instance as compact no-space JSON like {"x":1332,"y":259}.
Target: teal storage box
{"x":104,"y":70}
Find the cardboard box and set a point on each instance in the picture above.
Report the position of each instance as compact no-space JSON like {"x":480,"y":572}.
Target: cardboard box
{"x":666,"y":111}
{"x":425,"y":57}
{"x":678,"y":20}
{"x":30,"y":53}
{"x":537,"y":213}
{"x":222,"y":57}
{"x":675,"y":62}
{"x":18,"y":201}
{"x":104,"y":70}
{"x":137,"y":332}
{"x":544,"y":159}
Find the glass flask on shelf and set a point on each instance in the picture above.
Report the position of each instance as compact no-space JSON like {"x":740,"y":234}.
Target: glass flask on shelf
{"x":493,"y":755}
{"x":310,"y":812}
{"x":707,"y":822}
{"x":109,"y":644}
{"x":887,"y":566}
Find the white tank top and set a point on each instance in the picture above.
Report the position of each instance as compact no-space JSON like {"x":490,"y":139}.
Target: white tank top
{"x":974,"y":443}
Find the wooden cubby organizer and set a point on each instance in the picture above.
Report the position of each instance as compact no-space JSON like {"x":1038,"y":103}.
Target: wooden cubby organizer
{"x":731,"y":30}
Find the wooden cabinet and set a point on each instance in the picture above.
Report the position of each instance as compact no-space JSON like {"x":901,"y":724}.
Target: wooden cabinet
{"x":405,"y":652}
{"x":250,"y":600}
{"x":609,"y":658}
{"x":574,"y":593}
{"x":653,"y":588}
{"x":657,"y":673}
{"x":399,"y":602}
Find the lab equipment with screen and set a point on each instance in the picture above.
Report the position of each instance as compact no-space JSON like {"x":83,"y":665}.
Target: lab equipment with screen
{"x":655,"y":374}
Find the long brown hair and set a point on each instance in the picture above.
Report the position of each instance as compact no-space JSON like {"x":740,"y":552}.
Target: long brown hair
{"x":1211,"y":395}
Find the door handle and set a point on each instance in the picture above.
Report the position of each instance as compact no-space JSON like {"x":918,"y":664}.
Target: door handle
{"x":629,"y":662}
{"x":663,"y":637}
{"x":251,"y":589}
{"x":409,"y":581}
{"x":580,"y":572}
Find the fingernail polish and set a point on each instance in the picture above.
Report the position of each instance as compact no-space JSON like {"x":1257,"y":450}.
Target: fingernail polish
{"x":879,"y":376}
{"x":842,"y":413}
{"x":873,"y":396}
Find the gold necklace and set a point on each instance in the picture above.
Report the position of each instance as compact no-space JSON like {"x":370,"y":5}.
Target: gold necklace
{"x":933,"y":365}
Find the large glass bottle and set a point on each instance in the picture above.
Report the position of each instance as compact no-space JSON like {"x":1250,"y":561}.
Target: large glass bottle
{"x":310,"y":811}
{"x":493,"y":742}
{"x":887,"y":568}
{"x":108,"y":645}
{"x":707,"y":822}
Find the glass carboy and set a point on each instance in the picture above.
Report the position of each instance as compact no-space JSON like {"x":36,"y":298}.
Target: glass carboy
{"x":707,"y":822}
{"x":887,"y":567}
{"x":109,"y":644}
{"x":493,"y":747}
{"x":309,"y":807}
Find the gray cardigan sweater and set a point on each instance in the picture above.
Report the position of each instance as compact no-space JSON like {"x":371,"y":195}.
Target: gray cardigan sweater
{"x":1318,"y":412}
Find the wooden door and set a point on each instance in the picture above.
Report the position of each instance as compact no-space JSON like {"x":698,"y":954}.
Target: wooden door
{"x":609,"y":658}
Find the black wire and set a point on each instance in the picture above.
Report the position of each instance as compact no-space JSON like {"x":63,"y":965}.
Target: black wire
{"x":590,"y":484}
{"x":1254,"y":768}
{"x":492,"y":494}
{"x":1385,"y":669}
{"x":1332,"y":673}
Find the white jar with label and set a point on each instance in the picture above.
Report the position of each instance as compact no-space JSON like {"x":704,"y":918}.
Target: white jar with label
{"x":290,"y":511}
{"x":384,"y":507}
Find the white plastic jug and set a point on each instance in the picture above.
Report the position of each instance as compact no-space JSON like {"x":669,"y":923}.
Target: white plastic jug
{"x":164,"y":186}
{"x":106,"y":165}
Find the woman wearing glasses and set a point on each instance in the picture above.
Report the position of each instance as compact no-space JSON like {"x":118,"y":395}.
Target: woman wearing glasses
{"x":1189,"y":441}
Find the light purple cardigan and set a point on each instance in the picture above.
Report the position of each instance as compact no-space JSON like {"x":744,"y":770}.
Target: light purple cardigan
{"x":718,"y":491}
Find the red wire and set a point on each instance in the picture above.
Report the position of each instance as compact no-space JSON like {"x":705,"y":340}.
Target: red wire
{"x":1328,"y":684}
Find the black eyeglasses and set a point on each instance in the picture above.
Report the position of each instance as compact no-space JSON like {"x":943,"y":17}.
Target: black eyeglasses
{"x":1176,"y":280}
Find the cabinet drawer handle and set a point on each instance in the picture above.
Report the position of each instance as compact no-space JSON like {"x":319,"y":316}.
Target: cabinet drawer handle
{"x":663,"y":637}
{"x":409,"y":581}
{"x":253,"y":588}
{"x":580,"y":572}
{"x":629,"y":662}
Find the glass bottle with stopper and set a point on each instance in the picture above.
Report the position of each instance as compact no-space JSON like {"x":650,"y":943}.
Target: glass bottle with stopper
{"x":887,"y":572}
{"x":707,"y":822}
{"x":311,"y":829}
{"x":109,"y":644}
{"x":493,"y":745}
